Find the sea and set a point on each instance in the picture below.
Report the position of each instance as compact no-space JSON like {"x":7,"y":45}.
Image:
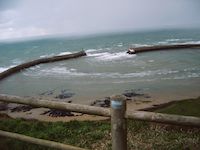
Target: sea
{"x":107,"y":69}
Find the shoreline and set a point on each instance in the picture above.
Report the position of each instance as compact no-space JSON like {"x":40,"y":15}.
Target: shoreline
{"x":139,"y":103}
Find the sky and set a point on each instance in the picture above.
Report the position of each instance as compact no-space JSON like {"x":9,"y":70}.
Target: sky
{"x":29,"y":18}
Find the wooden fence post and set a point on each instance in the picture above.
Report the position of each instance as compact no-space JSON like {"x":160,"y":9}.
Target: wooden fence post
{"x":118,"y":123}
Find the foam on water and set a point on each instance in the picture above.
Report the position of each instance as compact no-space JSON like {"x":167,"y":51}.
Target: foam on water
{"x":107,"y":56}
{"x":2,"y":69}
{"x":119,"y":44}
{"x":175,"y":40}
{"x":92,"y":50}
{"x":47,"y":55}
{"x":140,"y":45}
{"x":72,"y":72}
{"x":64,"y":53}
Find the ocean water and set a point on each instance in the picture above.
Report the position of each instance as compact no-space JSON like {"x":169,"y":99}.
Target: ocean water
{"x":107,"y":69}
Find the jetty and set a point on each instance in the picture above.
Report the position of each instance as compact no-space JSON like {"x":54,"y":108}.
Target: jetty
{"x":136,"y":50}
{"x":20,"y":67}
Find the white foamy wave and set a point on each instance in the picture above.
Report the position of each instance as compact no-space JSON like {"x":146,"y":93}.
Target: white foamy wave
{"x":162,"y":42}
{"x":172,"y":40}
{"x":175,"y":40}
{"x":2,"y":69}
{"x":64,"y":53}
{"x":47,"y":55}
{"x":97,"y":54}
{"x":192,"y":42}
{"x":140,"y":45}
{"x":71,"y":72}
{"x":34,"y":68}
{"x":92,"y":50}
{"x":150,"y":61}
{"x":119,"y":44}
{"x":17,"y":61}
{"x":106,"y":56}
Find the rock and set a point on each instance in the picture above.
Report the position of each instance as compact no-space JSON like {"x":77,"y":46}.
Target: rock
{"x":64,"y":94}
{"x":131,"y":93}
{"x":23,"y":108}
{"x":3,"y":106}
{"x":131,"y":51}
{"x":102,"y":103}
{"x":58,"y":113}
{"x":135,"y":93}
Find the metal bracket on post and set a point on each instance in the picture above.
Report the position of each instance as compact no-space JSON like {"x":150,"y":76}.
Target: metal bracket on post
{"x":118,"y":123}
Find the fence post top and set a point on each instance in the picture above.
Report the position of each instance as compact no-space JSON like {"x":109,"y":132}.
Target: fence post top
{"x":118,"y":98}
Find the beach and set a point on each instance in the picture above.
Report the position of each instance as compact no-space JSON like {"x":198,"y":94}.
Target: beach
{"x":155,"y":77}
{"x":137,"y":103}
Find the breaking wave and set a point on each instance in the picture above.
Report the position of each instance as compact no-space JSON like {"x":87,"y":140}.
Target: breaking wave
{"x":72,"y":73}
{"x":2,"y":69}
{"x":107,"y":56}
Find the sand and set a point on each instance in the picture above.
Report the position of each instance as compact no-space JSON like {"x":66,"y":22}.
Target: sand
{"x":137,"y":103}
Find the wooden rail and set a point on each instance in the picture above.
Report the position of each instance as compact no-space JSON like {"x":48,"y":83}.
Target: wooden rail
{"x":41,"y":142}
{"x":20,"y":67}
{"x":117,"y":112}
{"x":138,"y":115}
{"x":161,"y":47}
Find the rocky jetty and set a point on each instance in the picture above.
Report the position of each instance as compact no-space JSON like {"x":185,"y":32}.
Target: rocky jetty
{"x":20,"y":67}
{"x":136,"y":50}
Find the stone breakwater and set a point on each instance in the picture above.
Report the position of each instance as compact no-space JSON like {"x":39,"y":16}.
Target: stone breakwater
{"x":20,"y":67}
{"x":161,"y":47}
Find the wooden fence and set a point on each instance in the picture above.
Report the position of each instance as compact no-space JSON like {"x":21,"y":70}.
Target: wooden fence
{"x":117,"y":112}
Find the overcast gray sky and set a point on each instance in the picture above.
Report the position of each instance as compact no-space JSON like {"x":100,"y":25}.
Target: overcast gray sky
{"x":26,"y":18}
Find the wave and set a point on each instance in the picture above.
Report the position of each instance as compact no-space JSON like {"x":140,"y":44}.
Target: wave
{"x":72,"y":72}
{"x":64,"y":53}
{"x":106,"y":56}
{"x":176,"y":41}
{"x":119,"y":44}
{"x":140,"y":45}
{"x":2,"y":69}
{"x":191,"y":42}
{"x":92,"y":50}
{"x":52,"y":54}
{"x":47,"y":55}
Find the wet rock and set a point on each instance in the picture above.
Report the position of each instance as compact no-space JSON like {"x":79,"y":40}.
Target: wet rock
{"x":64,"y":94}
{"x":102,"y":103}
{"x":22,"y":108}
{"x":3,"y":106}
{"x":58,"y":113}
{"x":132,"y":93}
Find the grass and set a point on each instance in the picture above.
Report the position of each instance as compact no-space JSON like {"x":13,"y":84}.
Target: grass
{"x":189,"y":107}
{"x":81,"y":134}
{"x":96,"y":134}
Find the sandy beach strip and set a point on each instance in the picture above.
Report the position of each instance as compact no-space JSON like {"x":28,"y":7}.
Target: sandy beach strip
{"x":139,"y":103}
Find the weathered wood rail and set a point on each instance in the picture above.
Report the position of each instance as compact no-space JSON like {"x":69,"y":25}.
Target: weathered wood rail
{"x":136,"y":50}
{"x":117,"y":112}
{"x":41,"y":142}
{"x":39,"y":61}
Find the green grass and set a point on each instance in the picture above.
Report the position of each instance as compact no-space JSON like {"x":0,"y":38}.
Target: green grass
{"x":96,"y":134}
{"x":189,"y":107}
{"x":81,"y":134}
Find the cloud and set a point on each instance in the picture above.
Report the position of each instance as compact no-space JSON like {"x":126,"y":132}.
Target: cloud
{"x":35,"y":18}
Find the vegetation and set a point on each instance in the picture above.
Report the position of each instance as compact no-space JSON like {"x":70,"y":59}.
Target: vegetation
{"x":96,"y":134}
{"x":189,"y":107}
